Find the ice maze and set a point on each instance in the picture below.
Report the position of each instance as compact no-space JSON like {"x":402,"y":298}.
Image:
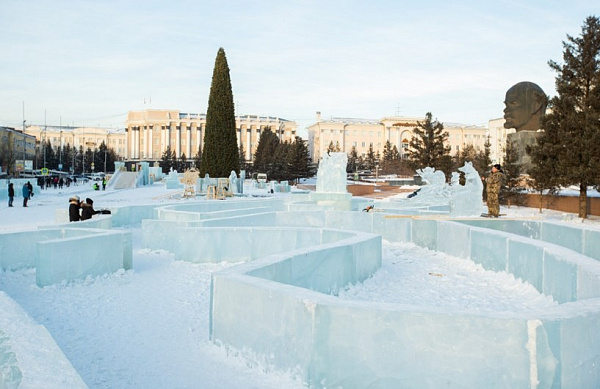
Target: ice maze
{"x":278,"y":304}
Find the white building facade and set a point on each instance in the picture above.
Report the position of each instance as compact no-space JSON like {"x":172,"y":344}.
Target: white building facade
{"x":346,"y":133}
{"x":150,"y":132}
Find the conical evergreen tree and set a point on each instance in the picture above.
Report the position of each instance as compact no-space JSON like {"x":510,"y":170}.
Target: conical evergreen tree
{"x":181,"y":163}
{"x":242,"y":157}
{"x":299,"y":160}
{"x":370,"y":158}
{"x":198,"y":159}
{"x":352,"y":165}
{"x":428,"y":146}
{"x":265,"y":151}
{"x":220,"y":154}
{"x":166,"y":163}
{"x":514,"y":179}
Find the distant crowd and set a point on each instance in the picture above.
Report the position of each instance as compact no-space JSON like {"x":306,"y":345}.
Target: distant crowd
{"x":56,"y":182}
{"x":87,"y":209}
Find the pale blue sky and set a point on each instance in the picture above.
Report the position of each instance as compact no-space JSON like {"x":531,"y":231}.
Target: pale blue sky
{"x":89,"y":62}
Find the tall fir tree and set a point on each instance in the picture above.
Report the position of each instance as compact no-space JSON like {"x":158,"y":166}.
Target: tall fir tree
{"x":79,"y":159}
{"x":428,"y":146}
{"x":265,"y":151}
{"x":387,"y":151}
{"x":370,"y":160}
{"x":220,"y":154}
{"x":198,"y":159}
{"x":513,"y":177}
{"x":181,"y":163}
{"x":88,"y":159}
{"x":484,"y":157}
{"x":242,"y":157}
{"x":49,"y":157}
{"x":571,"y":138}
{"x":352,"y":165}
{"x":299,"y":160}
{"x":166,"y":160}
{"x":279,"y":169}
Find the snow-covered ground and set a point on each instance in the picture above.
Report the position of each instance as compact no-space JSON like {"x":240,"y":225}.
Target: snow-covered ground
{"x":148,"y":327}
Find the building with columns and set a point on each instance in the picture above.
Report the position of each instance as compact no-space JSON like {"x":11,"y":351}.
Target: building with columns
{"x":346,"y":133}
{"x":150,"y":132}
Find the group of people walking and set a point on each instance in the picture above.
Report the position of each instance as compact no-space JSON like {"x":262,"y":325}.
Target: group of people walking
{"x":27,"y":193}
{"x":56,"y":182}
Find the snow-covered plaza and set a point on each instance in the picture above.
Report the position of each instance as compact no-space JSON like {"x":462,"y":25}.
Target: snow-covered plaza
{"x":219,"y":295}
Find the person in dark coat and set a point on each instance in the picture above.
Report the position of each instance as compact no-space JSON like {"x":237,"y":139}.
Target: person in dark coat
{"x":87,"y":209}
{"x":26,"y":194}
{"x":74,"y":206}
{"x":11,"y":194}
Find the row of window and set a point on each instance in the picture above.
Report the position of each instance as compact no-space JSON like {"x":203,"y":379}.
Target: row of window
{"x":120,"y":141}
{"x":354,"y":132}
{"x":404,"y":145}
{"x":249,"y":130}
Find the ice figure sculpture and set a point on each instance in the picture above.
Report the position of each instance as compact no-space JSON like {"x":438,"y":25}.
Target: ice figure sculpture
{"x":173,"y":180}
{"x":467,"y":199}
{"x":233,"y":185}
{"x":331,"y":176}
{"x":435,"y":191}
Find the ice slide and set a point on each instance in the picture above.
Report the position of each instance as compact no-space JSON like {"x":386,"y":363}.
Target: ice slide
{"x":123,"y":180}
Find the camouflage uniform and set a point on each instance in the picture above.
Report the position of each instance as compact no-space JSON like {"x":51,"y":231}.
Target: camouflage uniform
{"x":494,"y":181}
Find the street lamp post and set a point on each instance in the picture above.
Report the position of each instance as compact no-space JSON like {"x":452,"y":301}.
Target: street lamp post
{"x":24,"y":143}
{"x":44,"y":146}
{"x":61,"y":150}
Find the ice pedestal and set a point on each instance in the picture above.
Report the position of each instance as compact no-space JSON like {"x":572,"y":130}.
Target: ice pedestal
{"x":173,"y":180}
{"x":519,"y":142}
{"x":331,"y":190}
{"x":334,"y":201}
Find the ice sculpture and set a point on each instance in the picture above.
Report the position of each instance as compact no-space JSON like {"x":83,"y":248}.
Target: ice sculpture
{"x":233,"y":185}
{"x":173,"y":180}
{"x":467,"y":199}
{"x":331,"y":176}
{"x":435,"y":191}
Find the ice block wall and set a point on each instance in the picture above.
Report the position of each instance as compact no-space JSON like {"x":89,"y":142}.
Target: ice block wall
{"x":70,"y":258}
{"x":358,"y":345}
{"x":20,"y":365}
